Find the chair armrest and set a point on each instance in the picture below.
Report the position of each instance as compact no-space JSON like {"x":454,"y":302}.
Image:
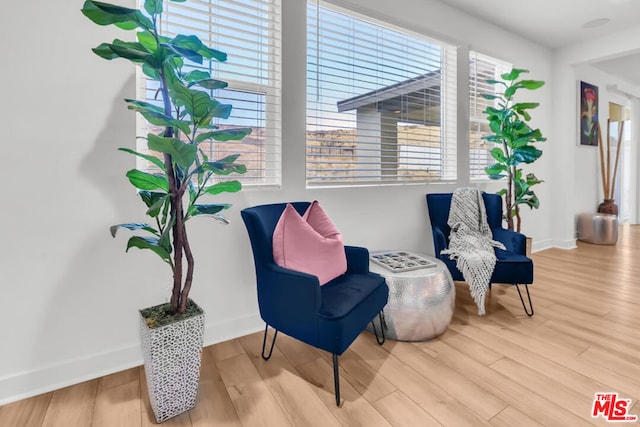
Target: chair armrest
{"x":439,"y":241}
{"x":287,"y":296}
{"x":357,"y":259}
{"x":512,"y":240}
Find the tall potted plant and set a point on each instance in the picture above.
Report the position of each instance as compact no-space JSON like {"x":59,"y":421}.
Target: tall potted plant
{"x":185,"y":112}
{"x":514,"y":140}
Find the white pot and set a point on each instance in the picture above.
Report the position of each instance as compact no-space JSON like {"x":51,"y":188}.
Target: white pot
{"x":172,"y":356}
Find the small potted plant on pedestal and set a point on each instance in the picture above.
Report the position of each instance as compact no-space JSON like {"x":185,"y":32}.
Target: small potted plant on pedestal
{"x":185,"y":112}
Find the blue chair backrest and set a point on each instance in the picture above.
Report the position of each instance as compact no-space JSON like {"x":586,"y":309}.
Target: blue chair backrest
{"x":440,"y":203}
{"x":261,"y":221}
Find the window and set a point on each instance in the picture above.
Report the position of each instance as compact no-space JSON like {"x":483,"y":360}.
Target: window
{"x":381,"y":102}
{"x":248,"y":31}
{"x":481,"y":69}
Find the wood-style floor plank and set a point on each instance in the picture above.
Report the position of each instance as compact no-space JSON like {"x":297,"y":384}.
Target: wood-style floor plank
{"x":354,"y":409}
{"x":441,"y":405}
{"x":502,"y":369}
{"x":29,"y":412}
{"x":511,"y":417}
{"x":401,"y":411}
{"x":251,"y":397}
{"x":119,"y":404}
{"x":214,"y":405}
{"x":300,"y":404}
{"x":72,"y":405}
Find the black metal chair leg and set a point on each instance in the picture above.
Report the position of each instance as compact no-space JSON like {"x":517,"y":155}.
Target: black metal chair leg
{"x":530,"y":310}
{"x":383,"y":326}
{"x":264,"y":342}
{"x":336,"y":379}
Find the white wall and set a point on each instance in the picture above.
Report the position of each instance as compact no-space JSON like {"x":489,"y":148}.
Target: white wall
{"x":575,"y":170}
{"x":70,"y":294}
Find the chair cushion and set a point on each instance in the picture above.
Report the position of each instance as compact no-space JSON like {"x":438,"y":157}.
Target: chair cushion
{"x":343,"y":294}
{"x":349,"y":303}
{"x":310,"y":243}
{"x":510,"y":268}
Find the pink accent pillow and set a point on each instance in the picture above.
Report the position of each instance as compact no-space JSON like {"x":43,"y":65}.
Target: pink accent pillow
{"x":310,"y":243}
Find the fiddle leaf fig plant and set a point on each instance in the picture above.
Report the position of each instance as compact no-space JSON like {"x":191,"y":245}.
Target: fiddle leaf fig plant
{"x":514,"y":139}
{"x":186,"y":112}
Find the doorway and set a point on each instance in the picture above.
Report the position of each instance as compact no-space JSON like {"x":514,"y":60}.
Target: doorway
{"x":621,"y":150}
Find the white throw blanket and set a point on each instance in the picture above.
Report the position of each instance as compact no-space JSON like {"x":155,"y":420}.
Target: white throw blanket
{"x":470,"y":242}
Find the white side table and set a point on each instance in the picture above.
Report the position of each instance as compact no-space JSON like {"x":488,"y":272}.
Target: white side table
{"x":421,"y":302}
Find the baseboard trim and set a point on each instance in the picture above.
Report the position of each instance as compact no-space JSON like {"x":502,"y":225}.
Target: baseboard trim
{"x":550,"y":243}
{"x":56,"y":376}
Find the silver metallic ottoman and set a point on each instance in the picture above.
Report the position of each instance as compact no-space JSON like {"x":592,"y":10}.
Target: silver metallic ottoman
{"x":599,"y":228}
{"x":421,"y":302}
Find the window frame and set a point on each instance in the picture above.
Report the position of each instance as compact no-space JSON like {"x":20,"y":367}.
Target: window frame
{"x":477,"y":120}
{"x":447,"y":126}
{"x":269,"y":175}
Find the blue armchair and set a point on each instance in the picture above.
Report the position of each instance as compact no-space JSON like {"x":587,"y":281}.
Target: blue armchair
{"x":512,"y":266}
{"x":328,"y":317}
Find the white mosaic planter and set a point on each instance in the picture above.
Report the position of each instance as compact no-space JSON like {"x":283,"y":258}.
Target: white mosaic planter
{"x":172,"y":356}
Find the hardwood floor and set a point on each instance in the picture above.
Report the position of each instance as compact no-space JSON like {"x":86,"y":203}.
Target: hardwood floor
{"x":503,"y":369}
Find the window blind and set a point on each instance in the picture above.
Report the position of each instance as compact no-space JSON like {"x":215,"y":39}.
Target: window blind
{"x":249,"y":32}
{"x":381,"y":101}
{"x":481,"y":69}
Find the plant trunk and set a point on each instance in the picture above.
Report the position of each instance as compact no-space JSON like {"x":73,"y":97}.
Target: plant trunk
{"x":184,"y":297}
{"x":509,"y":197}
{"x":176,"y":201}
{"x":176,"y":207}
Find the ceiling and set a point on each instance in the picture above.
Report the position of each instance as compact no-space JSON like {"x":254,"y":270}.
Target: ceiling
{"x":559,"y":23}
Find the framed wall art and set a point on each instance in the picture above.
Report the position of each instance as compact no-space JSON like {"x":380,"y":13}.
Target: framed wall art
{"x":588,"y":114}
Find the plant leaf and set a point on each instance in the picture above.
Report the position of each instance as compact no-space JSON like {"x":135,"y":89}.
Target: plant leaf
{"x":222,"y":187}
{"x":532,"y":179}
{"x":183,"y":154}
{"x":224,"y":166}
{"x":146,"y":39}
{"x":210,"y":84}
{"x":522,"y":139}
{"x":150,"y":71}
{"x":527,"y":154}
{"x":495,"y":171}
{"x":194,"y":46}
{"x":156,"y":116}
{"x":208,"y":209}
{"x":132,"y":226}
{"x":133,"y":51}
{"x":196,"y":103}
{"x":498,"y":154}
{"x":156,"y":161}
{"x":146,"y":181}
{"x":153,"y":7}
{"x":107,"y":14}
{"x":154,"y":209}
{"x":195,"y":75}
{"x":103,"y":50}
{"x":151,"y":243}
{"x":513,"y":74}
{"x":525,"y":106}
{"x":150,"y":197}
{"x":531,"y":84}
{"x":224,"y":135}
